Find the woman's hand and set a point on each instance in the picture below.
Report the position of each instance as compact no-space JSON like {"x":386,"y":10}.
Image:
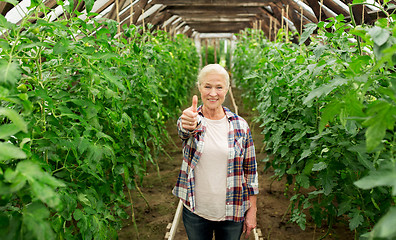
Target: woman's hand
{"x":189,"y":115}
{"x":250,"y":217}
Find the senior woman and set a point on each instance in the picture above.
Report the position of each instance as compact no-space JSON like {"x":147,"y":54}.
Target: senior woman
{"x":218,"y":180}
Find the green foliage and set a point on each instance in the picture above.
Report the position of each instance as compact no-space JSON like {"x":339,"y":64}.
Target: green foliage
{"x":328,"y":116}
{"x":81,"y":115}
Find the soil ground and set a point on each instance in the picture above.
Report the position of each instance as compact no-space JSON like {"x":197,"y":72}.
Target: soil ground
{"x":273,"y":206}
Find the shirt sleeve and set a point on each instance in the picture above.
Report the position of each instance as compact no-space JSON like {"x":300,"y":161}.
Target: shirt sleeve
{"x":250,"y":165}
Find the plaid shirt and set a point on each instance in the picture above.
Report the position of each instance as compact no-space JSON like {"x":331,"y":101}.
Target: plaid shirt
{"x":242,"y":179}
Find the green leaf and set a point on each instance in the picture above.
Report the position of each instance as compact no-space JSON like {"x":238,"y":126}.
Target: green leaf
{"x":298,"y":136}
{"x":343,"y":208}
{"x":327,"y":181}
{"x":83,"y":145}
{"x":309,"y":29}
{"x":9,"y":151}
{"x":303,"y":180}
{"x":61,"y":46}
{"x":41,"y":182}
{"x":325,"y":89}
{"x":356,"y":219}
{"x":379,"y":35}
{"x":340,"y":17}
{"x":115,"y":80}
{"x":8,"y":130}
{"x":45,"y":193}
{"x":4,"y":24}
{"x":15,"y":118}
{"x":319,"y":166}
{"x":385,"y":228}
{"x":35,"y":218}
{"x":88,"y":5}
{"x":382,"y":118}
{"x":78,"y":214}
{"x":16,"y":182}
{"x":306,"y":153}
{"x":378,"y":178}
{"x":9,"y":72}
{"x":83,"y":198}
{"x":328,"y":113}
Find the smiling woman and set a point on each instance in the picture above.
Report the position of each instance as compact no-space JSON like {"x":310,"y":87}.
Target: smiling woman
{"x":218,"y":197}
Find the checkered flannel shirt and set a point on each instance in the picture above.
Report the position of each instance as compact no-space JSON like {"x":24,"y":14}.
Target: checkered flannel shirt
{"x":242,"y":179}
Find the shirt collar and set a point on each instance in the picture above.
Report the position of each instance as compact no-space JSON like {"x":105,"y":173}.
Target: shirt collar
{"x":230,"y":115}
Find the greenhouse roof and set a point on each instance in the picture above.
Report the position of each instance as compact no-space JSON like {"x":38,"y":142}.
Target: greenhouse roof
{"x":207,"y":16}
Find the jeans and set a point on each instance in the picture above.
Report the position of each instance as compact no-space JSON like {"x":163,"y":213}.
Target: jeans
{"x":199,"y":228}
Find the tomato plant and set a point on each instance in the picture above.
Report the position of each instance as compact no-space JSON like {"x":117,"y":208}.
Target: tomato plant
{"x":82,"y":113}
{"x":327,"y":112}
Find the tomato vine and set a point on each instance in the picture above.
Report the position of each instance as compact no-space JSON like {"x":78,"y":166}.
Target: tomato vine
{"x":328,"y":115}
{"x":83,"y":111}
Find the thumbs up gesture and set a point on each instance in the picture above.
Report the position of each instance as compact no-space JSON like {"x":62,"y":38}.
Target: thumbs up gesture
{"x":189,"y":115}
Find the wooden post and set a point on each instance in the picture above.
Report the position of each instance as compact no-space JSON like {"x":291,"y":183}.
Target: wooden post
{"x":131,"y":13}
{"x":215,"y":52}
{"x":287,"y":24}
{"x":260,"y":25}
{"x":301,"y":24}
{"x":282,"y":18}
{"x":320,"y":10}
{"x":143,"y":20}
{"x":206,"y":51}
{"x":118,"y":17}
{"x":231,"y":42}
{"x":362,"y":14}
{"x":270,"y":30}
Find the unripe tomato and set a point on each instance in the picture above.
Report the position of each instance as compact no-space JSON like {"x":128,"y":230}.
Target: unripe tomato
{"x":22,"y":88}
{"x":36,"y":30}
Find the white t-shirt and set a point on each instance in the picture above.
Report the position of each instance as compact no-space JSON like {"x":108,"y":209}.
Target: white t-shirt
{"x":211,"y":172}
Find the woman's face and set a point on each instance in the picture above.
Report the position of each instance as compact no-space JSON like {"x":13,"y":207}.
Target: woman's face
{"x":213,"y":89}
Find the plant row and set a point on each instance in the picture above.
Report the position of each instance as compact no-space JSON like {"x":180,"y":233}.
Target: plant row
{"x":328,"y":112}
{"x":82,"y":112}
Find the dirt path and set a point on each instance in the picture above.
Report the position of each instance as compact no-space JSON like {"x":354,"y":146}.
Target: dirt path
{"x":272,"y":205}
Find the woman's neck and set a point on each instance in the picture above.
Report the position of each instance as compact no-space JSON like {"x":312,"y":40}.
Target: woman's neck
{"x":213,"y":114}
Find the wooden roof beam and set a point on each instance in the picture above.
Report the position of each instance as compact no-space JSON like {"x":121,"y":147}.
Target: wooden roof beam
{"x":265,"y":14}
{"x":5,"y":7}
{"x":318,"y":10}
{"x":335,"y":7}
{"x":113,"y":13}
{"x":214,"y":16}
{"x":161,"y":18}
{"x":138,"y":9}
{"x":151,"y":18}
{"x":187,"y":10}
{"x":219,"y":3}
{"x":218,"y":27}
{"x":218,"y":19}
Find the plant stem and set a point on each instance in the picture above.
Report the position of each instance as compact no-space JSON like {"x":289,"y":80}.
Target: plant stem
{"x":141,"y":194}
{"x":133,"y":214}
{"x":354,"y":24}
{"x":288,"y":209}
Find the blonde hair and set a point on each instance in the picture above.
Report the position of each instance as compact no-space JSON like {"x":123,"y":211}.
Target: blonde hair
{"x":213,"y":68}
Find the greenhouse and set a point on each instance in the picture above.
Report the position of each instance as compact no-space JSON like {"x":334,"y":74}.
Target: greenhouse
{"x":95,"y":102}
